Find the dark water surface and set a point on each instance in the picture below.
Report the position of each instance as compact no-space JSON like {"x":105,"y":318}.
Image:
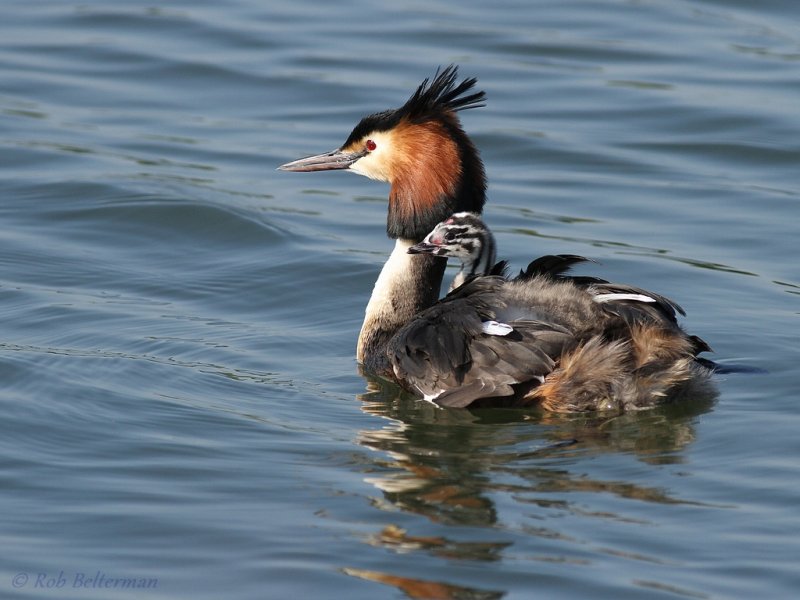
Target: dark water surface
{"x":181,"y":408}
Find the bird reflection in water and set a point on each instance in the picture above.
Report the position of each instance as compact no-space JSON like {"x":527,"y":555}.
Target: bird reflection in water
{"x":429,"y":590}
{"x":448,"y":464}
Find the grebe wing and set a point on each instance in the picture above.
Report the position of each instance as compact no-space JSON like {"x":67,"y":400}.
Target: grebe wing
{"x":621,"y":299}
{"x":454,"y":353}
{"x":551,"y":265}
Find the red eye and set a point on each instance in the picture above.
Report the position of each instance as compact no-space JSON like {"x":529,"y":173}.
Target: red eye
{"x":371,"y":145}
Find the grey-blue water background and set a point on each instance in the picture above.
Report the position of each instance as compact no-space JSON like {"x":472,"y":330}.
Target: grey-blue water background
{"x":181,"y":407}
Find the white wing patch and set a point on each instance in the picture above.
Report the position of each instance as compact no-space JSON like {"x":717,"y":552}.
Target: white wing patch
{"x":601,"y":298}
{"x":432,"y":397}
{"x":496,"y":328}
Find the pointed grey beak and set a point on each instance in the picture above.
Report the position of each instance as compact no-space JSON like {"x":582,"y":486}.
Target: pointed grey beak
{"x":329,"y":161}
{"x":423,"y":248}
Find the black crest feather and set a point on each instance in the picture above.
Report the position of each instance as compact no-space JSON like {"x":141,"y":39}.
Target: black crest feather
{"x":442,"y":94}
{"x":432,"y":99}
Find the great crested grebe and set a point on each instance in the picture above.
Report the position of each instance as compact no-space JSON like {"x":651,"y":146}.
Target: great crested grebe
{"x":542,"y":339}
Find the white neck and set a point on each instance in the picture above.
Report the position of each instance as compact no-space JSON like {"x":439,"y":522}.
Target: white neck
{"x":459,"y":279}
{"x":391,"y":280}
{"x":408,"y":283}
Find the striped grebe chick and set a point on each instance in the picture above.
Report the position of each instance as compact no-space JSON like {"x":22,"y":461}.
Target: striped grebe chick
{"x":463,"y":236}
{"x":542,"y":339}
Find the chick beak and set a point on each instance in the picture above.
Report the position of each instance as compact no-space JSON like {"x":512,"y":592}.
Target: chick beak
{"x":423,"y":247}
{"x":329,"y":161}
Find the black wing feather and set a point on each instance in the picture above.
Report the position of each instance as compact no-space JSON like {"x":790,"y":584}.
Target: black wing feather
{"x":445,"y":355}
{"x":664,"y":305}
{"x":551,"y":265}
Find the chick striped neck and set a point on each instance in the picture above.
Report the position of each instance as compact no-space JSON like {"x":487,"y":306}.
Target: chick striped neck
{"x":481,"y":257}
